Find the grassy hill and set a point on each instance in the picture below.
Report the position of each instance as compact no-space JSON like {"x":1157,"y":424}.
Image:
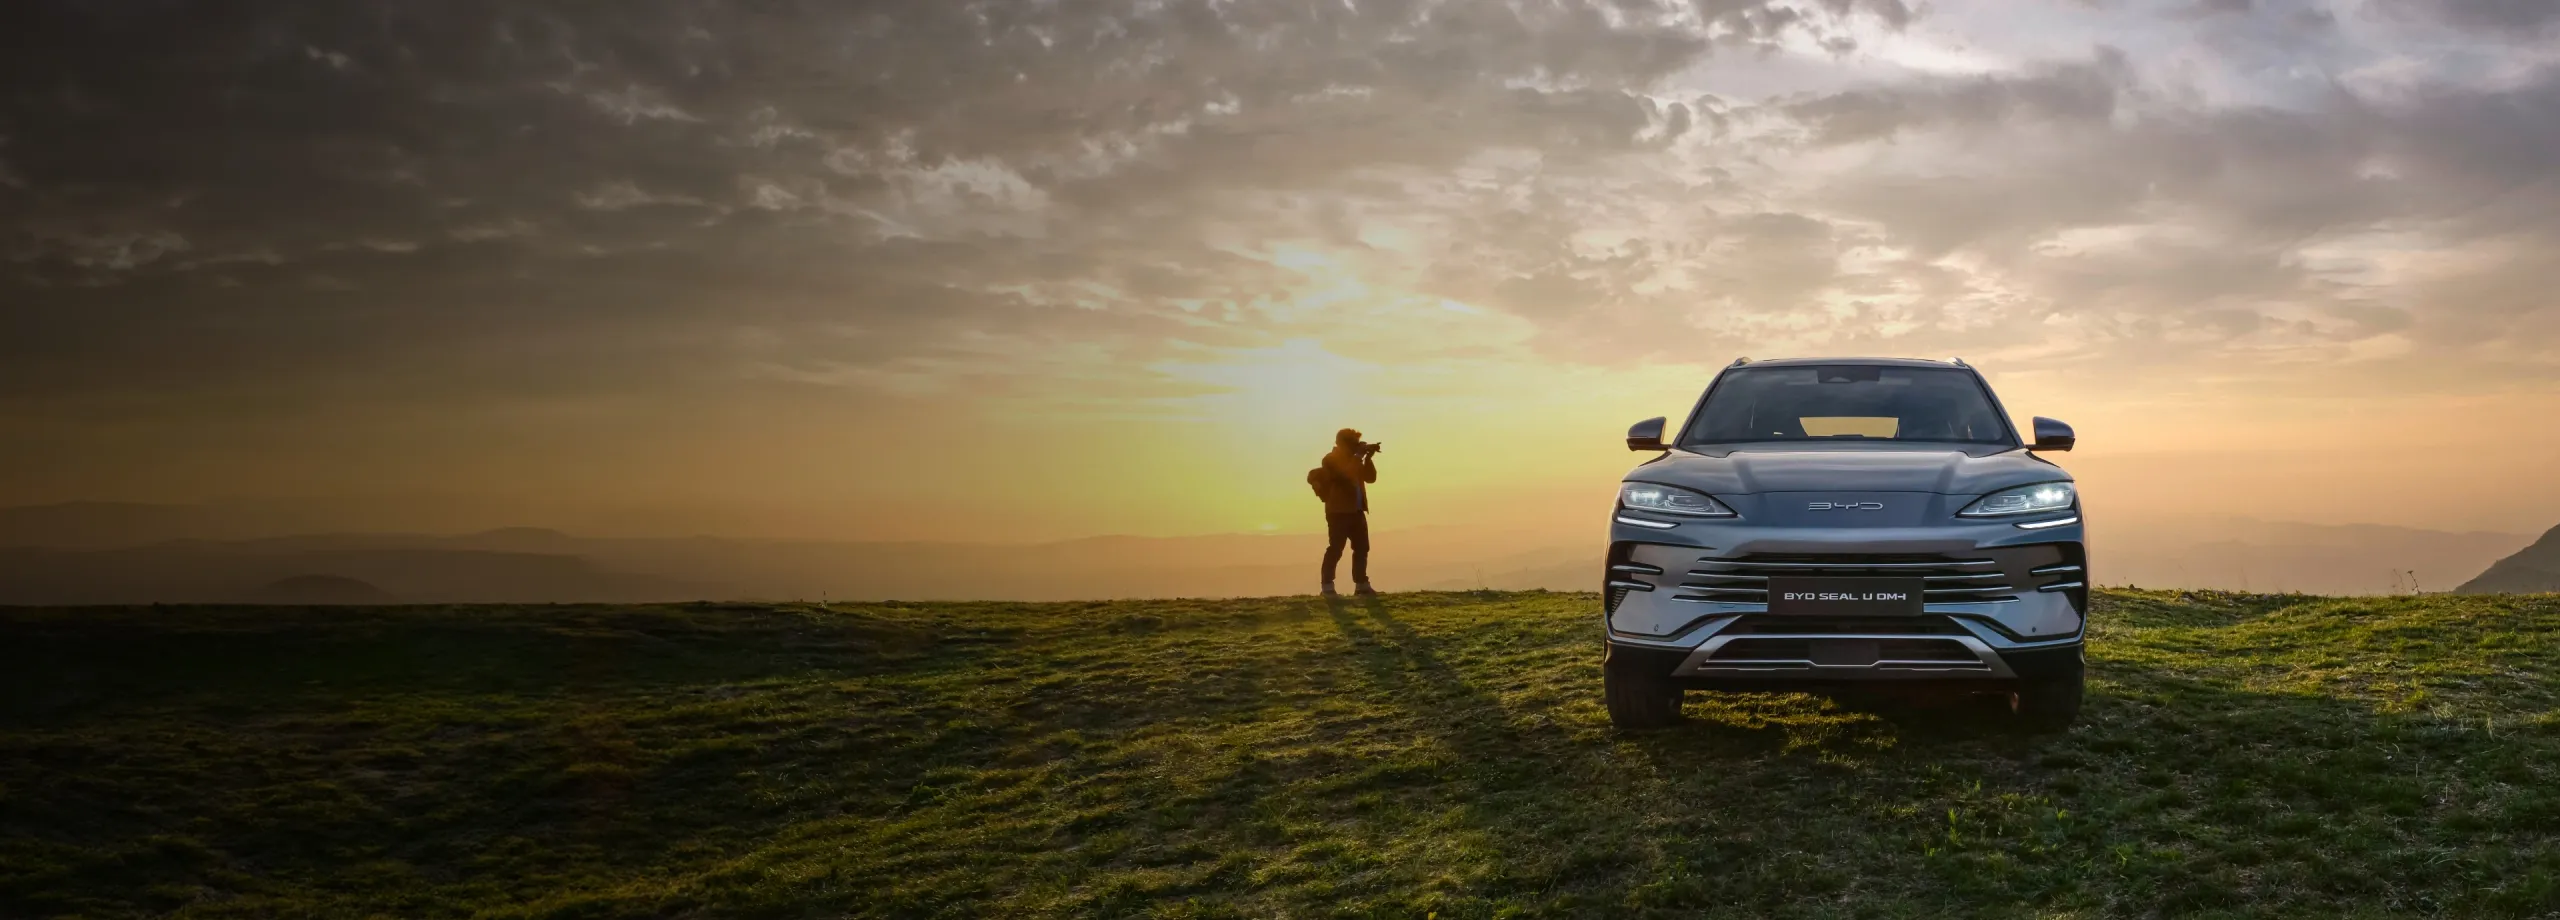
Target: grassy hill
{"x":1439,"y":753}
{"x":2535,"y":568}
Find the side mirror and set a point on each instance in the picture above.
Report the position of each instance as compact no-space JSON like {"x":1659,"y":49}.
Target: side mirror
{"x":1646,"y":435}
{"x":2052,"y":435}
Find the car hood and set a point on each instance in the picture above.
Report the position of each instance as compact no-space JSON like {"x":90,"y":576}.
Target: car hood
{"x":1943,"y":469}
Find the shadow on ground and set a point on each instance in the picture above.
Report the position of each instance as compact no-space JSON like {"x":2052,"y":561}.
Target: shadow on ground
{"x":1403,"y":756}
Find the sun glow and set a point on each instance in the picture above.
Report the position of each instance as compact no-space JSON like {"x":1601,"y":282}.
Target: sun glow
{"x":1275,"y":393}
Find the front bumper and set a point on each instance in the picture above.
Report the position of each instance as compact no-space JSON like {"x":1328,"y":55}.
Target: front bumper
{"x":2015,"y":665}
{"x":2004,"y":603}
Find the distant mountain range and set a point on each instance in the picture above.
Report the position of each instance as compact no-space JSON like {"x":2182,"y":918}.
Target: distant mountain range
{"x":113,"y":553}
{"x":2253,"y":555}
{"x":2532,"y":570}
{"x":96,"y":553}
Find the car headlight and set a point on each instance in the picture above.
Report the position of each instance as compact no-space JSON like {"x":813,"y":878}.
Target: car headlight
{"x":2043,"y":496}
{"x":1662,"y":499}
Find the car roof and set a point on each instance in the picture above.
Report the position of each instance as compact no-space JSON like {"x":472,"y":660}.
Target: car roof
{"x":1885,"y":362}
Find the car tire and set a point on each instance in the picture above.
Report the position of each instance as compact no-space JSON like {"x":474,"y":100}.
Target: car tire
{"x":1639,"y":694}
{"x":2051,"y":702}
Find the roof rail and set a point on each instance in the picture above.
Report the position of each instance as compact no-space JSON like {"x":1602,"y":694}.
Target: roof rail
{"x":1738,"y":362}
{"x":1959,"y":362}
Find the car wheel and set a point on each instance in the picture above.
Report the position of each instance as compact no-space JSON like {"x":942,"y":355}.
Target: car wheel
{"x":1639,"y":694}
{"x":2049,"y":703}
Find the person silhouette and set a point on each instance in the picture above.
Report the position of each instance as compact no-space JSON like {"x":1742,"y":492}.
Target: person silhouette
{"x":1351,"y":466}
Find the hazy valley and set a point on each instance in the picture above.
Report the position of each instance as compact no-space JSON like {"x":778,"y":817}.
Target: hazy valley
{"x":127,"y":554}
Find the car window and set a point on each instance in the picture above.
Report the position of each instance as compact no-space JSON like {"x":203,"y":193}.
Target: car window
{"x":1848,"y":402}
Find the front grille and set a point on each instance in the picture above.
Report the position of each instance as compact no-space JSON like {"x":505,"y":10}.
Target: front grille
{"x":1765,"y":650}
{"x":1947,"y":580}
{"x":1772,"y":624}
{"x":1854,"y":653}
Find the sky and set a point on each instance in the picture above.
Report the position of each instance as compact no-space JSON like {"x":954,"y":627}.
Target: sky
{"x":1033,"y":270}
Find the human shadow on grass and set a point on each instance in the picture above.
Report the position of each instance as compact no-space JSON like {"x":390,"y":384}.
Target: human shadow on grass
{"x":1553,"y":837}
{"x":1393,"y":654}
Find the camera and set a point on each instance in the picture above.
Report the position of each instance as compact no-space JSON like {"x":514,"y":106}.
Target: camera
{"x":1366,"y":448}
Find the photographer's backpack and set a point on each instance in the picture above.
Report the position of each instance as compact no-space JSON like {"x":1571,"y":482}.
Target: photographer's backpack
{"x":1321,"y":480}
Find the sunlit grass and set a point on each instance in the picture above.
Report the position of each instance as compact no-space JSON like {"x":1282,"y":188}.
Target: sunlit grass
{"x":1432,"y":753}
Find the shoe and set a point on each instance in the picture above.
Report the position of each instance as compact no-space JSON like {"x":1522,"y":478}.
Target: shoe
{"x":1329,"y":591}
{"x":1364,"y":590}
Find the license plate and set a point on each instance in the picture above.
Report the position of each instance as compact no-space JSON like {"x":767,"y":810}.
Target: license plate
{"x":1797,"y":594}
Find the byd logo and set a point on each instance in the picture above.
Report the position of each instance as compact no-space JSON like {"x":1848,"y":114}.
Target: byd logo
{"x":1845,"y":506}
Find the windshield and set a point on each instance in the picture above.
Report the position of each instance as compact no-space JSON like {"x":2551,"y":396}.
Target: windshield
{"x":1848,"y":402}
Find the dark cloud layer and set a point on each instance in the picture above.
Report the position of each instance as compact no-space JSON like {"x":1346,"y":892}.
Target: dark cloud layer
{"x":427,"y":201}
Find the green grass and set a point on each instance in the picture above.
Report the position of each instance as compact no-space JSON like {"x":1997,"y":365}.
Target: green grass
{"x":2241,"y":755}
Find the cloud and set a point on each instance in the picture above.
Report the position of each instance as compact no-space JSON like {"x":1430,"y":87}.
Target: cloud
{"x":2496,"y":16}
{"x":2077,"y":92}
{"x":631,"y":105}
{"x":621,"y":195}
{"x":98,"y":256}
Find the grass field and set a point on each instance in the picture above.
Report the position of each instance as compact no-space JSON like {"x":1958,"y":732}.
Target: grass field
{"x":1426,"y":754}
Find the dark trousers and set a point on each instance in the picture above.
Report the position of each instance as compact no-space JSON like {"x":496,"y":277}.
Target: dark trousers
{"x":1351,"y":527}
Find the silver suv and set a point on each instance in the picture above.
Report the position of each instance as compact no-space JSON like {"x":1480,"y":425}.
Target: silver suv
{"x":1820,"y":522}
